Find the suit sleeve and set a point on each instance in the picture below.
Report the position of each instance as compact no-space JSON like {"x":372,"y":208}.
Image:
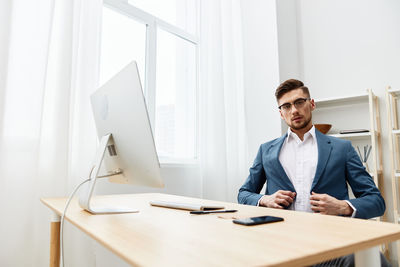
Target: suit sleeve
{"x":249,"y":193}
{"x":369,"y":201}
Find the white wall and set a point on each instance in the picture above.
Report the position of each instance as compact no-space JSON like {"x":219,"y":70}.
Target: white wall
{"x":288,"y":36}
{"x":343,"y":48}
{"x":348,"y":46}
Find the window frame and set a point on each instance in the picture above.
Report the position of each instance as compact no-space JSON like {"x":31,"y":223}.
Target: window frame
{"x":152,"y":23}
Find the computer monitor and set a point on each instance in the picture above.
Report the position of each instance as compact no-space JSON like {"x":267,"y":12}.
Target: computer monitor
{"x":127,"y":151}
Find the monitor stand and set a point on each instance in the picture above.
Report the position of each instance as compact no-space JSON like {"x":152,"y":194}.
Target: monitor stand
{"x":106,"y":142}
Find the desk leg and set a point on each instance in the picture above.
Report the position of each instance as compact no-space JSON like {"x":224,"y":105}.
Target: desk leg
{"x":368,"y":258}
{"x":55,"y":240}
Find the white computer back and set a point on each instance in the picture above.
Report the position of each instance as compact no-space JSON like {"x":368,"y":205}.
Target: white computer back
{"x":119,"y":109}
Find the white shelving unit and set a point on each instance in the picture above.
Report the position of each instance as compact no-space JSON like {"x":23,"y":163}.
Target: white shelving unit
{"x":355,"y":112}
{"x":392,"y":97}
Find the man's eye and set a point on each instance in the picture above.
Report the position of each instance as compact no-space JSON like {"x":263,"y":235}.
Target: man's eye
{"x":287,"y":106}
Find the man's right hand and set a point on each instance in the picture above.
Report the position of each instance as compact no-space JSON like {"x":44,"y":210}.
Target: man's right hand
{"x":278,"y":200}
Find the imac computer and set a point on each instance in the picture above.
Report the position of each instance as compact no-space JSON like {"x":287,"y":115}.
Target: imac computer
{"x":126,"y":153}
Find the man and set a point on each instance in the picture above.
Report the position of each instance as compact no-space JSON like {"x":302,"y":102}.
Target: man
{"x":306,"y":170}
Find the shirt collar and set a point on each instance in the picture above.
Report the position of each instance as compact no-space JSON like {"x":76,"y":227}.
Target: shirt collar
{"x":307,"y":135}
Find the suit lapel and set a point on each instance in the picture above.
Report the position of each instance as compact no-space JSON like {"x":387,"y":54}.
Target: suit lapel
{"x":274,"y":152}
{"x":324,"y":152}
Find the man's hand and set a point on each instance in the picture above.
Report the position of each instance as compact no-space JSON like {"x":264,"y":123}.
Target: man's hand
{"x":326,"y":204}
{"x":277,"y":200}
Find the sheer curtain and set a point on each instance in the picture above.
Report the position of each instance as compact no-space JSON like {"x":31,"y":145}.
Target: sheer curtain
{"x":223,"y":149}
{"x":48,"y":68}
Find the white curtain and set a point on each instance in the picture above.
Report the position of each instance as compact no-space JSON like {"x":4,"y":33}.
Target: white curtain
{"x":223,"y":150}
{"x":48,"y":68}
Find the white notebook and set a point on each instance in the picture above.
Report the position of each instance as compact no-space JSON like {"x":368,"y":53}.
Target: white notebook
{"x":184,"y":206}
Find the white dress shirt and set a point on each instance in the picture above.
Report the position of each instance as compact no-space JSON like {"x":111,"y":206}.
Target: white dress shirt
{"x":299,"y":160}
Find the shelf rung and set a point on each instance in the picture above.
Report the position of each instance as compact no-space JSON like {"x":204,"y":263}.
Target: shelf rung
{"x":345,"y":100}
{"x":394,"y":91}
{"x":352,"y":135}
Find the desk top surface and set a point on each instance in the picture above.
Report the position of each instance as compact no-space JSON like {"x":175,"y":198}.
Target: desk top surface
{"x":160,"y":236}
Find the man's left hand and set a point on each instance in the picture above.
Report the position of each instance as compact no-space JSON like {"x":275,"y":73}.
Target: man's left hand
{"x":326,"y":204}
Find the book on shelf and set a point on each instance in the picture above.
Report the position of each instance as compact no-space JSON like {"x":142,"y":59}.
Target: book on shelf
{"x":350,"y":131}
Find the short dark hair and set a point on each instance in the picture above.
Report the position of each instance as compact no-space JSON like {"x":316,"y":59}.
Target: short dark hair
{"x":289,"y":85}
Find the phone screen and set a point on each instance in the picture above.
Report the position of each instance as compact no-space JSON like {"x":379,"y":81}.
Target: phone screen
{"x":258,"y":220}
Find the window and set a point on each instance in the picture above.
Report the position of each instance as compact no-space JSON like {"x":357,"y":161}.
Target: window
{"x":160,"y":36}
{"x":118,"y":48}
{"x":175,"y":99}
{"x":180,"y":13}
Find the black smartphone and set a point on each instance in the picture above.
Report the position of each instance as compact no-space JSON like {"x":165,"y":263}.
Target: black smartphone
{"x":258,"y":220}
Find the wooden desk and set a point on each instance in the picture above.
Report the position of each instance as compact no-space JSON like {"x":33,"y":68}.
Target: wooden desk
{"x":166,"y":237}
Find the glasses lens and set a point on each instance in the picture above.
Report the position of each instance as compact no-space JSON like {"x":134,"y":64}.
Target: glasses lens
{"x":286,"y":106}
{"x":299,"y":102}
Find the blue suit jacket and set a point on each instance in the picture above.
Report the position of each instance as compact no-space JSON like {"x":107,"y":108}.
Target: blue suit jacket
{"x":338,"y":163}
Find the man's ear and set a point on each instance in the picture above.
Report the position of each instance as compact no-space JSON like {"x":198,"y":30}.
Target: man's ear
{"x":312,"y":104}
{"x":280,"y":112}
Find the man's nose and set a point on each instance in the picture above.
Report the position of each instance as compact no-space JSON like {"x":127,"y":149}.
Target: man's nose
{"x":293,"y":109}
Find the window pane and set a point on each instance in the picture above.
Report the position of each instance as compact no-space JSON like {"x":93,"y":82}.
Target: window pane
{"x":175,"y":96}
{"x":123,"y":40}
{"x":181,"y":13}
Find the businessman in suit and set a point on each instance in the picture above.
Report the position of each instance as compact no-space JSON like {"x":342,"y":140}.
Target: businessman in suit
{"x":305,"y":170}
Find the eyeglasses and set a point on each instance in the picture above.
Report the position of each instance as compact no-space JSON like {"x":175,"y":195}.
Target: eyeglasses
{"x":298,"y":103}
